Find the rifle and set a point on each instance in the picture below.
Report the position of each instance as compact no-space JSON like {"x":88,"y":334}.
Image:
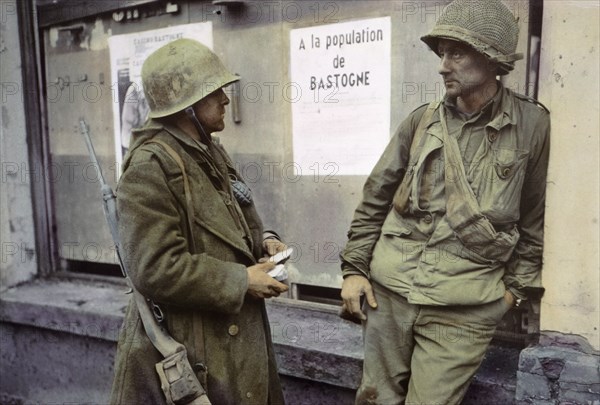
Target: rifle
{"x":178,"y":381}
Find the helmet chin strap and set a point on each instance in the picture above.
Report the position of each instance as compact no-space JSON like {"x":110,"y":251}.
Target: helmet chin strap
{"x":204,"y":137}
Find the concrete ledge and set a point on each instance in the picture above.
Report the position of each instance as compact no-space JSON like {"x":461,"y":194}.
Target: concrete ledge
{"x":59,"y":336}
{"x":312,"y":342}
{"x":84,"y":308}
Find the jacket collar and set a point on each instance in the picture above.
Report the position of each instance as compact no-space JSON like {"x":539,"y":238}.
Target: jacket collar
{"x":185,"y":139}
{"x":141,"y":135}
{"x":197,"y":150}
{"x":502,"y":109}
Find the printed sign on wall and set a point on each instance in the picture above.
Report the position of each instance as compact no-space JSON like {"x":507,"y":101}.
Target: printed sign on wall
{"x":341,"y":117}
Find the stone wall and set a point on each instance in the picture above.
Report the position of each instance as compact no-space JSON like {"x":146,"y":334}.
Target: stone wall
{"x":561,"y":369}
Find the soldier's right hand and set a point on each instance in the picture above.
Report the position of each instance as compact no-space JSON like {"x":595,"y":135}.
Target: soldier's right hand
{"x":353,"y":288}
{"x":260,"y":284}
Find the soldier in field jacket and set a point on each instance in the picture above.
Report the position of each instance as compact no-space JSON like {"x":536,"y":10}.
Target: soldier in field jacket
{"x":449,"y":233}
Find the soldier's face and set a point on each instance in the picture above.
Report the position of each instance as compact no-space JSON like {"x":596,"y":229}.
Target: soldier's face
{"x":211,"y":111}
{"x":464,"y":70}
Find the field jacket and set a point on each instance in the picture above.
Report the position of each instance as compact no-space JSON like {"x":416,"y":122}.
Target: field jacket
{"x":417,"y":253}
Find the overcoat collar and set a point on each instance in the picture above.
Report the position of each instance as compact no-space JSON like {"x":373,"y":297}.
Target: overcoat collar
{"x":200,"y":154}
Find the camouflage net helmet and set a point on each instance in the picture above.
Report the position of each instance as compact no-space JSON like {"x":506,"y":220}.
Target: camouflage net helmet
{"x":488,"y":26}
{"x":181,"y":73}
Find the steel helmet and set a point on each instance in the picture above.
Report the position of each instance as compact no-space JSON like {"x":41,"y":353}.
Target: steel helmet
{"x":488,"y":26}
{"x":181,"y":73}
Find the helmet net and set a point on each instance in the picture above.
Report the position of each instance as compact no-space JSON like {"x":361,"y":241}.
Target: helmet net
{"x":486,"y":25}
{"x":489,"y":18}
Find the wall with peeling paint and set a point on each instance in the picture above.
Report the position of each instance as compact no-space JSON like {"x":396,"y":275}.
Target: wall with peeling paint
{"x":17,"y":250}
{"x":569,"y":87}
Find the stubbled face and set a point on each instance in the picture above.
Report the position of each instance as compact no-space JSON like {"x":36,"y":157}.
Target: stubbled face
{"x":211,"y":111}
{"x":466,"y":72}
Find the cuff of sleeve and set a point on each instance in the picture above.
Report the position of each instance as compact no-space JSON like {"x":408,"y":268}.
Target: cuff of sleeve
{"x":351,"y":271}
{"x":517,"y":294}
{"x":269,"y":234}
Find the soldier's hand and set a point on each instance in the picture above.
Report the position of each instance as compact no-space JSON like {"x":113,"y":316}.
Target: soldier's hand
{"x":260,"y":284}
{"x":353,"y":288}
{"x":273,"y":246}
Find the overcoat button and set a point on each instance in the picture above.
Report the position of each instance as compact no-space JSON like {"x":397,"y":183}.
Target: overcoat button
{"x":233,"y":330}
{"x":506,"y":171}
{"x":427,"y":219}
{"x":248,"y":395}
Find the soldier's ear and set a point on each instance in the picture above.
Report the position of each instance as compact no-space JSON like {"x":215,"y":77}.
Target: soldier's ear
{"x":493,"y":66}
{"x":496,"y":68}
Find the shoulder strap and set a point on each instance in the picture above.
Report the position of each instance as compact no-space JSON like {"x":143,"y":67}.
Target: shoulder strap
{"x":531,"y":100}
{"x":420,"y":131}
{"x":186,"y":187}
{"x":463,"y":212}
{"x":402,"y":196}
{"x":462,"y":207}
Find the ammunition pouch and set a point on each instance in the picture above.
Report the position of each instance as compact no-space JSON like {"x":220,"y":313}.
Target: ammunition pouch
{"x":178,"y":381}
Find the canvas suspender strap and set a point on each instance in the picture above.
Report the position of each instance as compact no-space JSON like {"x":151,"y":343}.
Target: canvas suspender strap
{"x":463,"y":212}
{"x":425,"y":120}
{"x":402,"y":196}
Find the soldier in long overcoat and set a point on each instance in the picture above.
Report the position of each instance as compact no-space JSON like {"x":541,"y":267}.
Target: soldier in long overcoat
{"x":193,"y":249}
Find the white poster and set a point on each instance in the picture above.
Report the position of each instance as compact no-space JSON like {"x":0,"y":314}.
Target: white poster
{"x":341,"y":117}
{"x":127,"y":54}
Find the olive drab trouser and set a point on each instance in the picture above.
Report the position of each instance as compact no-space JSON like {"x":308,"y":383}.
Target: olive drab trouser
{"x":436,"y":349}
{"x":463,"y":213}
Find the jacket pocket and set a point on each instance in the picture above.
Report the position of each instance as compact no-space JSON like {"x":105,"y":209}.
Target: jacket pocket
{"x":394,"y":248}
{"x":398,"y":241}
{"x":484,"y":244}
{"x":394,"y":225}
{"x":498,"y":182}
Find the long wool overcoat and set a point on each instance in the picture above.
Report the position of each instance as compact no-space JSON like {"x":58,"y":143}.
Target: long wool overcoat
{"x":204,"y":291}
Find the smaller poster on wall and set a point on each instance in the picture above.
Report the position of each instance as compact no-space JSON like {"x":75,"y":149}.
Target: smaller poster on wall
{"x":341,"y":112}
{"x":127,"y":55}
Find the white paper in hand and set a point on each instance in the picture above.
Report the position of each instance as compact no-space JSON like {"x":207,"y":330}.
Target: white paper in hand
{"x":279,"y":273}
{"x":281,"y":256}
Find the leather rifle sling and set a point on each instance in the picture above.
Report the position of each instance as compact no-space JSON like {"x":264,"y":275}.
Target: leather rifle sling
{"x":199,"y":334}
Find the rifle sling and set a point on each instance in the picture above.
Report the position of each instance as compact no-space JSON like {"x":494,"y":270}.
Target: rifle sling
{"x":198,"y":324}
{"x":186,"y":188}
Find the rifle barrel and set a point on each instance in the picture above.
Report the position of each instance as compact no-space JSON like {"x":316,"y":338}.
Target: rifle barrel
{"x":84,"y":130}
